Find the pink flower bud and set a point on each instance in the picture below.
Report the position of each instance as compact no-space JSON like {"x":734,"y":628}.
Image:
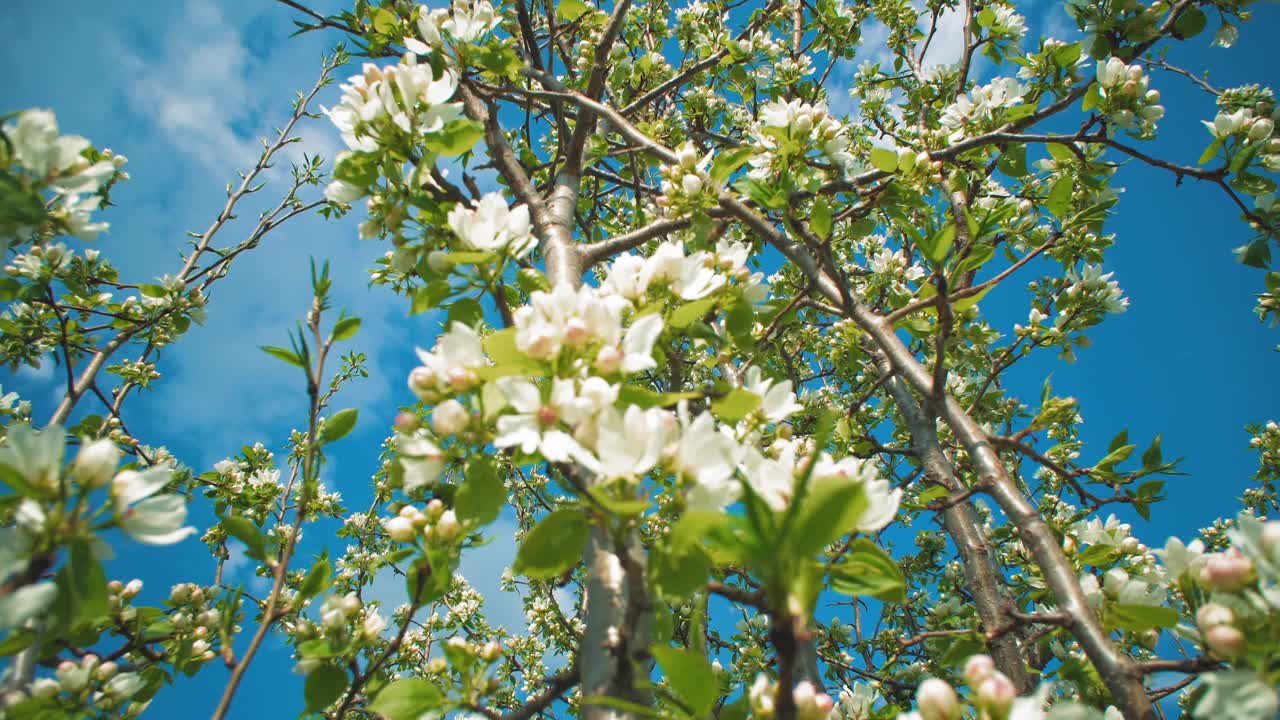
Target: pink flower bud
{"x":1212,"y":614}
{"x":1227,"y":571}
{"x":406,"y":423}
{"x":977,"y":669}
{"x":461,"y":379}
{"x":936,"y":700}
{"x":997,"y":694}
{"x":450,"y":418}
{"x":1225,"y":641}
{"x":609,"y":360}
{"x":1271,"y":538}
{"x":576,"y":333}
{"x":435,"y":508}
{"x":422,"y":380}
{"x":491,"y":651}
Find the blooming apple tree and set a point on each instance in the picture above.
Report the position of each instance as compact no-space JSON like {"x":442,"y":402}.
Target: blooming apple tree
{"x":712,"y":347}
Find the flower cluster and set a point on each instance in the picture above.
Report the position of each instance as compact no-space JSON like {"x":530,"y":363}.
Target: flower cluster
{"x":686,"y":185}
{"x":992,"y":695}
{"x":982,"y":109}
{"x":689,"y":276}
{"x":1003,"y":23}
{"x":490,"y":225}
{"x":40,"y":160}
{"x":468,"y":22}
{"x":1122,"y":94}
{"x":810,"y":704}
{"x":378,"y":108}
{"x":789,"y":130}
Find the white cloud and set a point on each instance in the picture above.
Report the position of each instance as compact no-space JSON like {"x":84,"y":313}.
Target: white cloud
{"x":197,"y":87}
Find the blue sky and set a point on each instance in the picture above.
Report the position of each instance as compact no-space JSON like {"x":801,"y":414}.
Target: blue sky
{"x":184,"y":89}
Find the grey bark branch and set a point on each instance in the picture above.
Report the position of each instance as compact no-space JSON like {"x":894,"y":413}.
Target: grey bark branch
{"x":961,"y":521}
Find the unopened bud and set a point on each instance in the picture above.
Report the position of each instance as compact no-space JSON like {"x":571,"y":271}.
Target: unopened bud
{"x":400,"y":529}
{"x":450,"y":418}
{"x":448,"y":527}
{"x":491,"y":651}
{"x":608,"y":360}
{"x":406,"y":423}
{"x":438,"y":261}
{"x":1261,"y":129}
{"x":936,"y":700}
{"x":1227,"y":571}
{"x":1225,"y":641}
{"x":977,"y":669}
{"x":96,"y":463}
{"x":1212,"y":615}
{"x":997,"y":694}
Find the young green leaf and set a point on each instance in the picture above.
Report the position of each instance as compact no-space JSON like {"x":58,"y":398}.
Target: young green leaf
{"x":554,"y":545}
{"x":339,"y":424}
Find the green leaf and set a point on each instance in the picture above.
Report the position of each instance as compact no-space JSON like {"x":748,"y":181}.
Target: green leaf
{"x":676,"y":575}
{"x":1117,"y":456}
{"x":318,"y":578}
{"x":1060,"y":152}
{"x":324,"y":686}
{"x":1255,"y":254}
{"x":727,"y":162}
{"x":986,"y":18}
{"x":338,"y":425}
{"x":385,"y":21}
{"x":1190,"y":23}
{"x":820,"y":218}
{"x":1152,"y":456}
{"x":739,"y":320}
{"x":283,"y":354}
{"x":830,"y":511}
{"x":345,"y":329}
{"x":482,"y":496}
{"x":554,"y":545}
{"x":406,"y":699}
{"x":884,"y":159}
{"x":86,"y":581}
{"x":1067,"y":55}
{"x":939,"y":243}
{"x":10,"y":476}
{"x":1059,"y":199}
{"x":471,"y":257}
{"x":247,"y":532}
{"x":1091,"y":98}
{"x":531,"y":280}
{"x":766,"y":196}
{"x":1140,"y":618}
{"x":466,"y":311}
{"x":1212,"y":151}
{"x":570,"y":10}
{"x":869,"y":571}
{"x":455,"y":138}
{"x":735,"y":405}
{"x":1099,"y":555}
{"x":691,"y":312}
{"x":977,"y":257}
{"x":1253,"y":184}
{"x":1013,"y":161}
{"x":429,"y":296}
{"x":501,"y":347}
{"x":690,"y":676}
